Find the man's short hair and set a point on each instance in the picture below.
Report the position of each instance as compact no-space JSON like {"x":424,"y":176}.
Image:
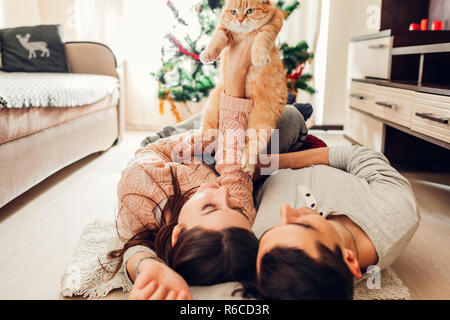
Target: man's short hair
{"x":291,"y":274}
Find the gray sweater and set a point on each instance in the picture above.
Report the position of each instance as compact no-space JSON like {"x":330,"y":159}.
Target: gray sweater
{"x":360,"y":184}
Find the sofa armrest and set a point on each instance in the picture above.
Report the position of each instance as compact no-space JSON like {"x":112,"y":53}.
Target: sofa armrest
{"x":91,"y":58}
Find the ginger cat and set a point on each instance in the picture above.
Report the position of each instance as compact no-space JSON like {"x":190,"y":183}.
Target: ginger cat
{"x":266,"y":82}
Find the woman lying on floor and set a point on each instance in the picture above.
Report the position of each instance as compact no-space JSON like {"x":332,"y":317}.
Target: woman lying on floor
{"x":181,"y":223}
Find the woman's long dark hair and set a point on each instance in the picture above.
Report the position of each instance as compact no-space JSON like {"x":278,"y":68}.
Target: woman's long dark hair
{"x":200,"y":256}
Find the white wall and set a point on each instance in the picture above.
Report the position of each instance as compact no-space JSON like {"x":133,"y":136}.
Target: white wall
{"x":303,"y":25}
{"x":60,"y":12}
{"x":340,"y":20}
{"x":320,"y":64}
{"x":2,"y":19}
{"x":347,"y":19}
{"x":16,"y":13}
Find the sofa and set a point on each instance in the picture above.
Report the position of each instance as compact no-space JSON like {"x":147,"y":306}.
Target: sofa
{"x":37,"y":141}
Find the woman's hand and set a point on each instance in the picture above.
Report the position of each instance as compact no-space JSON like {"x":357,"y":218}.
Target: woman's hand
{"x":237,"y":64}
{"x":156,"y":281}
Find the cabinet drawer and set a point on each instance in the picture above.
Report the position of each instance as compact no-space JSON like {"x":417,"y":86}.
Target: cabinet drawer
{"x":393,"y":104}
{"x":364,"y":129}
{"x":362,"y":96}
{"x":430,"y":116}
{"x":371,"y":58}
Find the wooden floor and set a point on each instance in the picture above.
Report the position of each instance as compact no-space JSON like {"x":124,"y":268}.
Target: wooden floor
{"x":39,"y":230}
{"x":425,"y":265}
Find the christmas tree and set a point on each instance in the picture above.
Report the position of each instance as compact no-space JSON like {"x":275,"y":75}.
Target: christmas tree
{"x":184,"y":78}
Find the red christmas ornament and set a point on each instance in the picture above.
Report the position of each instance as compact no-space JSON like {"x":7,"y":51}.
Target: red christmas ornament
{"x":424,"y":24}
{"x":297,"y":73}
{"x":437,"y":25}
{"x":183,"y":50}
{"x":413,"y":27}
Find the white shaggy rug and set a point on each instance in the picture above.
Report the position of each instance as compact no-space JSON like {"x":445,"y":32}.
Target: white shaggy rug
{"x":85,"y":277}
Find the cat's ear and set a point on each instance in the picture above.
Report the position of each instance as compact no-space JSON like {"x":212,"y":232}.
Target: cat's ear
{"x":265,"y":1}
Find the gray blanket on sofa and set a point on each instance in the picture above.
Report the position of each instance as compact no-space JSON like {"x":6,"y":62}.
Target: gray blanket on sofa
{"x":21,"y":90}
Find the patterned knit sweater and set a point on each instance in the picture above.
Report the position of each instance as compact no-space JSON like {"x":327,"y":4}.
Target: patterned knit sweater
{"x":146,"y":181}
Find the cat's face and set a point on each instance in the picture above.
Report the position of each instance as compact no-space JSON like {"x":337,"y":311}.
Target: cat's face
{"x":244,"y":16}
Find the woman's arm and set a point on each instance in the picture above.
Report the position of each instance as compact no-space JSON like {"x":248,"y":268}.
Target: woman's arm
{"x":138,"y":191}
{"x":302,"y":159}
{"x":156,"y":281}
{"x":233,"y":120}
{"x":233,"y":123}
{"x":291,"y":160}
{"x":176,"y":148}
{"x":190,"y":123}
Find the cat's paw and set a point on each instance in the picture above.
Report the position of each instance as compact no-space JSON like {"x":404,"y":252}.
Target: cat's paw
{"x":250,"y":169}
{"x":259,"y":60}
{"x":207,"y":57}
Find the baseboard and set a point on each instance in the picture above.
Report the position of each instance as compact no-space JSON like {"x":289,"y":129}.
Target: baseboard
{"x":328,"y":127}
{"x":353,"y":142}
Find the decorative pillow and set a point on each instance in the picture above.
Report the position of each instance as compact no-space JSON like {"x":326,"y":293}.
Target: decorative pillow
{"x":33,"y":49}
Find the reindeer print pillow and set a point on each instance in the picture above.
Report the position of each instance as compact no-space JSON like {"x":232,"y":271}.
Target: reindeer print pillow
{"x":33,"y":49}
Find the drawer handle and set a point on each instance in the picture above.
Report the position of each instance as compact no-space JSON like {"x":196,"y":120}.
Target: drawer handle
{"x":357,"y":96}
{"x":429,"y":116}
{"x":387,"y":105}
{"x":377,"y":46}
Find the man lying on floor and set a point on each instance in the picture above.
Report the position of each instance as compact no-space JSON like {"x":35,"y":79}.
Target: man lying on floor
{"x":337,"y":213}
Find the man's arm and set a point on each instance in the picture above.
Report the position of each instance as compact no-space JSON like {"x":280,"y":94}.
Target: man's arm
{"x":367,"y":164}
{"x":362,"y":162}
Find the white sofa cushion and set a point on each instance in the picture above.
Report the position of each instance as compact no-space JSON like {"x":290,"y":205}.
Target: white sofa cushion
{"x":20,"y":89}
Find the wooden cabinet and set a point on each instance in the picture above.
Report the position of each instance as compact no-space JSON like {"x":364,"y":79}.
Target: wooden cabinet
{"x":399,"y":93}
{"x":418,"y":105}
{"x":373,"y":106}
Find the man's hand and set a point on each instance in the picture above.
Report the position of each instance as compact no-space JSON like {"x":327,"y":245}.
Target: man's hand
{"x":156,"y":281}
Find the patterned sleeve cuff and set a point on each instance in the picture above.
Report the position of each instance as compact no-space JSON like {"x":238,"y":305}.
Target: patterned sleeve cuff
{"x":338,"y":156}
{"x":235,"y":104}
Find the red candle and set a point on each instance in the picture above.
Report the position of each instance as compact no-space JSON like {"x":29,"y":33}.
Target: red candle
{"x":423,"y":24}
{"x":437,"y":25}
{"x":413,"y":27}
